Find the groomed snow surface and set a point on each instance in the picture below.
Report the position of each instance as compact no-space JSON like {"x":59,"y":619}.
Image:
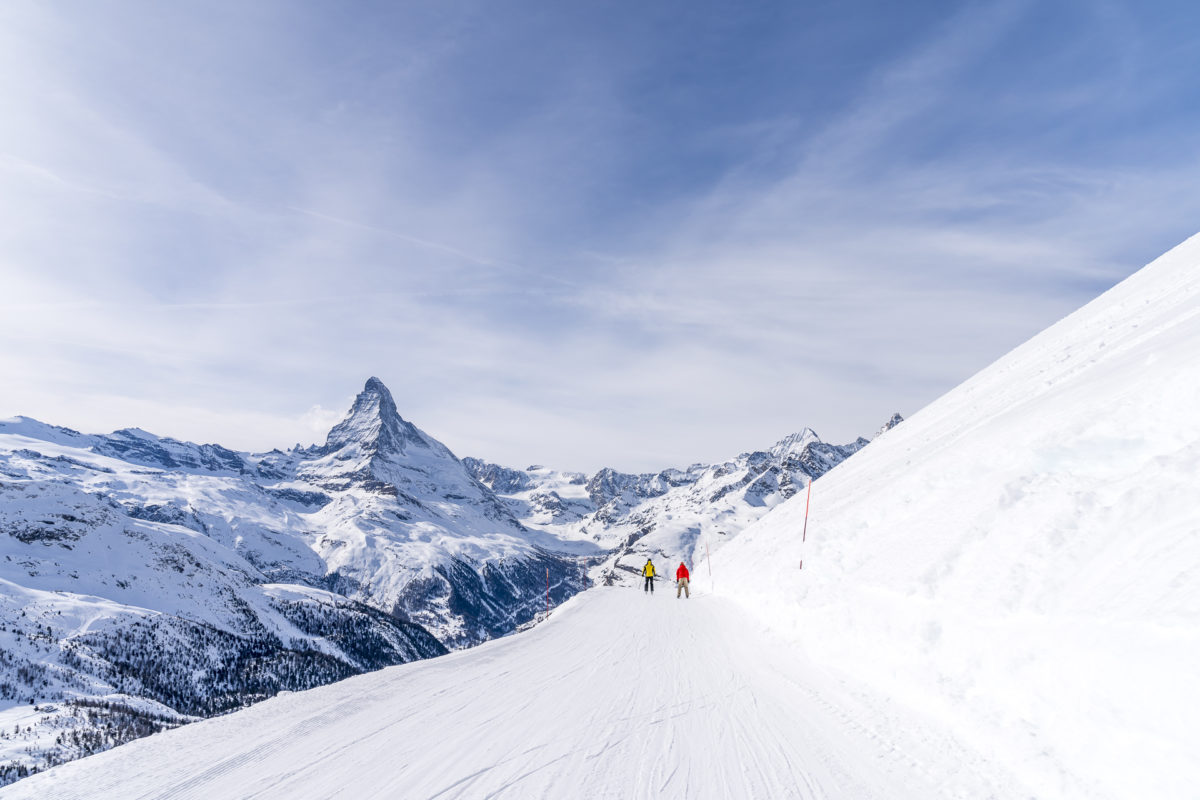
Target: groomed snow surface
{"x":618,"y":695}
{"x":999,"y":598}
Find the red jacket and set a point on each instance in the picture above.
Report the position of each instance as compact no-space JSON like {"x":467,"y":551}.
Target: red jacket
{"x":681,"y":572}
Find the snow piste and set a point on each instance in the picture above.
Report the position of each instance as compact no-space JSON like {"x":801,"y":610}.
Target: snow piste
{"x":618,"y":695}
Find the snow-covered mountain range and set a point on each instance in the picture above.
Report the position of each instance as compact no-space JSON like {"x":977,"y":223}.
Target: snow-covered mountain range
{"x":147,"y":581}
{"x":676,"y":514}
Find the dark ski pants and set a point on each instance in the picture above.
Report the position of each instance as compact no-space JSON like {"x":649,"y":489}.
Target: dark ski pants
{"x":649,"y":587}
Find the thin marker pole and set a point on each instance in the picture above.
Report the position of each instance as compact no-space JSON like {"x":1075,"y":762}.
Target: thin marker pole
{"x":804,"y":534}
{"x":807,"y":500}
{"x":547,"y":591}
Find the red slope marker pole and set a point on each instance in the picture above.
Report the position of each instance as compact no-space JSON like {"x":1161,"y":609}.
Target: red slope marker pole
{"x":804,"y":535}
{"x":547,"y":591}
{"x":807,"y":501}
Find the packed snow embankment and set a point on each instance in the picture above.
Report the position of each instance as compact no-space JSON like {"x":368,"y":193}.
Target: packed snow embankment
{"x":619,"y":695}
{"x":1022,"y":557}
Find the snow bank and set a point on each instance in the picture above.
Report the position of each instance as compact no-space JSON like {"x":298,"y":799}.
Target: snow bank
{"x":1022,"y":557}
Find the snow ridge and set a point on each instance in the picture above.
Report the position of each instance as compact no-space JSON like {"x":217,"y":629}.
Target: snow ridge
{"x":1018,"y":558}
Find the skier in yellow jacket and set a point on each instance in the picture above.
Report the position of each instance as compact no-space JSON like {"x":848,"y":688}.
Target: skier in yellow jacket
{"x":648,"y":574}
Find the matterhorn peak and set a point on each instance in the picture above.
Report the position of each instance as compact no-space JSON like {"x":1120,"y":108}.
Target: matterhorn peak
{"x":374,"y":424}
{"x":376,"y":385}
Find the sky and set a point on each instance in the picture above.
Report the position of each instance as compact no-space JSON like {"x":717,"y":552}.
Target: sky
{"x":629,"y":234}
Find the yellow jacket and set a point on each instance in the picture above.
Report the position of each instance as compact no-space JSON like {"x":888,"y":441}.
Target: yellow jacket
{"x":648,"y":570}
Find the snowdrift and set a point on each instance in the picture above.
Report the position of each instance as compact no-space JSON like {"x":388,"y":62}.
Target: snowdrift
{"x":1021,"y":559}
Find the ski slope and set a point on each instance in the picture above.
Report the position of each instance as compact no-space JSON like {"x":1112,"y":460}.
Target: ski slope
{"x":618,"y":694}
{"x":1021,"y":558}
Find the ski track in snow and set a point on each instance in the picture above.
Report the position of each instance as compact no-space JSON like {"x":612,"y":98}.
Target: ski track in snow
{"x":620,"y":694}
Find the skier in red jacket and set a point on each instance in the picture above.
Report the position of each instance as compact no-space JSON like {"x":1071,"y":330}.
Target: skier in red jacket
{"x":681,"y":582}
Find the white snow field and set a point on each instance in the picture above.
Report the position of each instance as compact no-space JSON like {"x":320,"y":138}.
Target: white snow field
{"x":1021,"y":558}
{"x":1000,"y":598}
{"x":617,"y":695}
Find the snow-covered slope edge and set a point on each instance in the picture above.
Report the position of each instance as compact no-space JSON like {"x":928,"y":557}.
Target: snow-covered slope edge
{"x":1021,"y":559}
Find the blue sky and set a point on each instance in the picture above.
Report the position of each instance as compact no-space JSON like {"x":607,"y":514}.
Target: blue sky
{"x":581,"y":234}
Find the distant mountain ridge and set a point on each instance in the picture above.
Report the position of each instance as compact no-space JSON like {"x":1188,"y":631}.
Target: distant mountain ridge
{"x":664,"y":514}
